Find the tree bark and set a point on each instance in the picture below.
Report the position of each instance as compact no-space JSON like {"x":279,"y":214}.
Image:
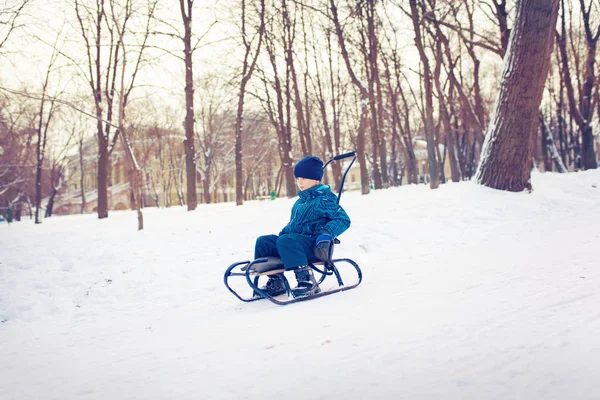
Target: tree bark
{"x":506,"y":151}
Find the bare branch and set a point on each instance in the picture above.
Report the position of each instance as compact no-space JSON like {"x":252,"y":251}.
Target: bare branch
{"x":12,"y":15}
{"x":37,"y":96}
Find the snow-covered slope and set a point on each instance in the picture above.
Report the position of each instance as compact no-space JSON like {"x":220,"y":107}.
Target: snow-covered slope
{"x":468,"y":293}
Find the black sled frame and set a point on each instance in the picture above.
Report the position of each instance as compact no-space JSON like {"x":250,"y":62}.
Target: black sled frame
{"x":273,"y":267}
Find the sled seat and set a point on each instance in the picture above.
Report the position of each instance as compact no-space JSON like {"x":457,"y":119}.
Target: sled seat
{"x":265,"y":266}
{"x":269,"y":266}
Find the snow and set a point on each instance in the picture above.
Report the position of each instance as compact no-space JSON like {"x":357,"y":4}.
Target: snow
{"x":468,"y":293}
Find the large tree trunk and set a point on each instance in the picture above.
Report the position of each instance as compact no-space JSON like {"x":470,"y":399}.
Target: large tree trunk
{"x":505,"y":160}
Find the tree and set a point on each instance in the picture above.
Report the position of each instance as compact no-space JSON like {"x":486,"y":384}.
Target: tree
{"x":371,"y":49}
{"x":248,"y":66}
{"x":59,"y":164}
{"x":191,"y":43}
{"x":213,"y":127}
{"x":331,"y":131}
{"x":288,"y":38}
{"x":105,"y":53}
{"x":505,"y":160}
{"x":403,"y":158}
{"x":123,"y":96}
{"x":187,"y":7}
{"x":582,"y":109}
{"x":428,"y":122}
{"x":44,"y":120}
{"x":549,"y":147}
{"x":17,"y":156}
{"x":364,"y":102}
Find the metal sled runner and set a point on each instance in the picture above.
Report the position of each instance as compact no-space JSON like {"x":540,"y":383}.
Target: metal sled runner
{"x":325,"y":266}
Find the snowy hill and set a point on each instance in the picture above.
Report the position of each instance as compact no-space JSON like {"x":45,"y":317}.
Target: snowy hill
{"x":468,"y":293}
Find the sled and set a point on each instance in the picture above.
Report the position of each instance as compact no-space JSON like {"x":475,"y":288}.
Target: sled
{"x":323,"y":266}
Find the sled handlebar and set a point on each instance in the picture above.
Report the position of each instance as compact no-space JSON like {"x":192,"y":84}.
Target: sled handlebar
{"x":340,"y":157}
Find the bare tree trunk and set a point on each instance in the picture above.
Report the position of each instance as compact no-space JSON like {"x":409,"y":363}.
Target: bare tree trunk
{"x":50,"y":205}
{"x":369,"y":48}
{"x":247,"y":71}
{"x":476,"y":114}
{"x":280,"y":118}
{"x":56,"y":176}
{"x":397,"y":146}
{"x":551,"y":147}
{"x":364,"y":97}
{"x":137,"y":180}
{"x":95,"y":81}
{"x":91,"y":24}
{"x":377,"y":94}
{"x":434,"y":172}
{"x":405,"y":127}
{"x":42,"y":136}
{"x":335,"y":105}
{"x":329,"y":146}
{"x":82,"y":176}
{"x":288,"y":44}
{"x":562,"y":137}
{"x":450,"y":149}
{"x":186,"y":7}
{"x":506,"y":153}
{"x":581,"y":110}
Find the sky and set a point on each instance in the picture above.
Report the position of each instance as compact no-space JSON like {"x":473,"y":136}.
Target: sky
{"x":467,"y":293}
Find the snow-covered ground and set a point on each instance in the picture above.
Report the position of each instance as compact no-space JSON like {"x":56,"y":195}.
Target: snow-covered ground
{"x":468,"y":293}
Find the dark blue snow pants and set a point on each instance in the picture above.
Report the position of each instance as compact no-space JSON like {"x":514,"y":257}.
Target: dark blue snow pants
{"x":293,"y":249}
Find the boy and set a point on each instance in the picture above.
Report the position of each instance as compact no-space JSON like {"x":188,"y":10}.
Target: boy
{"x":316,"y":220}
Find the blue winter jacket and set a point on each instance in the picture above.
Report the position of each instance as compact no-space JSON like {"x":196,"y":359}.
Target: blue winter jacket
{"x":316,"y":211}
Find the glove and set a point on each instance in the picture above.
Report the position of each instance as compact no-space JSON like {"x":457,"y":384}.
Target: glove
{"x":323,"y":241}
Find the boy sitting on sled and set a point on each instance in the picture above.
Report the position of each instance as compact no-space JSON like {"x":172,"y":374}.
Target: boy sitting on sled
{"x":316,"y":220}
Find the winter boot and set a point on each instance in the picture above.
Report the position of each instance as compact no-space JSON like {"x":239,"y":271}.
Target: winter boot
{"x":307,"y":284}
{"x":274,"y":286}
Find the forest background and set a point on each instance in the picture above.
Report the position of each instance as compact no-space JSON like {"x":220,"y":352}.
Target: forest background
{"x":232,"y":92}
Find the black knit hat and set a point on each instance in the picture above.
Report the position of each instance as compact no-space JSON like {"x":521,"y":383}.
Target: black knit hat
{"x":310,"y":167}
